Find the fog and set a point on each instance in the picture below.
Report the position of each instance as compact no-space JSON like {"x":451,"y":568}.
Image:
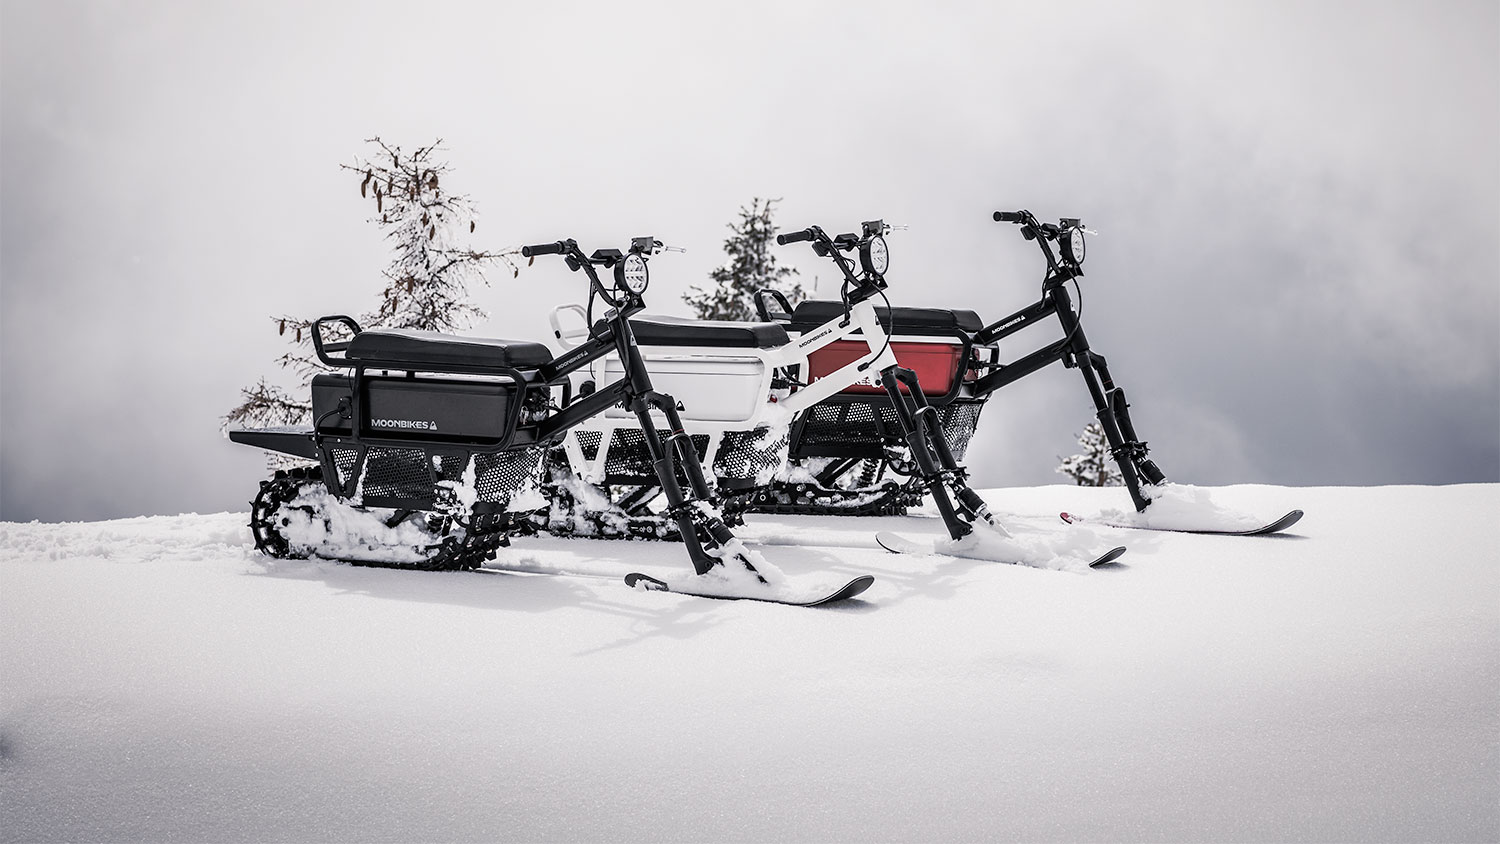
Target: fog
{"x":1296,"y":272}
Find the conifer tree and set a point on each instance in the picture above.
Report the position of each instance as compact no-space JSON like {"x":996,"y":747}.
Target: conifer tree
{"x":751,"y":266}
{"x":1095,"y":466}
{"x":427,"y":281}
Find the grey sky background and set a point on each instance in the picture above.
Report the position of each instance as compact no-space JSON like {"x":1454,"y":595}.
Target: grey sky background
{"x":1296,"y":276}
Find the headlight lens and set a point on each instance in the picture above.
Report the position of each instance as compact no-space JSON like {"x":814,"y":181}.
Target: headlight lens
{"x":631,"y":274}
{"x":1073,"y":247}
{"x":875,"y":255}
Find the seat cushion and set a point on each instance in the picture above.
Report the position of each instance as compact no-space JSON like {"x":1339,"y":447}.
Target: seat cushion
{"x":813,"y":313}
{"x":653,"y":330}
{"x":401,"y":347}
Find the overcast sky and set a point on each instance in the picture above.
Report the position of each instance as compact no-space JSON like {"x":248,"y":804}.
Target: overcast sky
{"x":1296,"y":274}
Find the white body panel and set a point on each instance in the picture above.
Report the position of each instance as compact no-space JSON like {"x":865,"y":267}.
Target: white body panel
{"x":713,"y":387}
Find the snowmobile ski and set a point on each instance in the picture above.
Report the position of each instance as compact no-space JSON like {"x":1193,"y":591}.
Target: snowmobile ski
{"x":898,"y":544}
{"x":637,"y":580}
{"x":1267,"y":529}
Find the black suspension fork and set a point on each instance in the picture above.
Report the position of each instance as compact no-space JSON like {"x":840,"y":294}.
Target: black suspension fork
{"x":929,"y":448}
{"x":1121,"y":408}
{"x":666,"y":456}
{"x":1112,"y":410}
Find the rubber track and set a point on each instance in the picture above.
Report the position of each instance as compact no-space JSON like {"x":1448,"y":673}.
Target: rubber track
{"x":452,"y":554}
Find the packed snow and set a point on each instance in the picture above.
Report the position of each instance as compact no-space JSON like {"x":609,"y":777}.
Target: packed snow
{"x":162,"y":681}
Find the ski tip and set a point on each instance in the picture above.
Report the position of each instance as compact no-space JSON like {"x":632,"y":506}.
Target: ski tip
{"x":636,"y":580}
{"x":1066,"y":516}
{"x":852,"y":588}
{"x":897,"y":544}
{"x":1279,"y":525}
{"x":1108,"y":557}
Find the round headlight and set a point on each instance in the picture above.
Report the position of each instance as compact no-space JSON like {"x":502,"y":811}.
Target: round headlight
{"x":631,"y":275}
{"x":1072,"y":245}
{"x":875,"y":256}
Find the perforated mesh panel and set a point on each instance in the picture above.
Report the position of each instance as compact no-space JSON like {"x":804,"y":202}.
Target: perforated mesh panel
{"x":588,"y":443}
{"x":630,"y":460}
{"x":859,"y":426}
{"x":959,"y":421}
{"x":343,"y":460}
{"x":746,"y":455}
{"x":397,"y":473}
{"x":847,"y":425}
{"x":454,"y":466}
{"x":499,"y":476}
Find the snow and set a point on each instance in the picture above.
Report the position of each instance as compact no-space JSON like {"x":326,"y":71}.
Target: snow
{"x":1184,"y":507}
{"x":162,"y":681}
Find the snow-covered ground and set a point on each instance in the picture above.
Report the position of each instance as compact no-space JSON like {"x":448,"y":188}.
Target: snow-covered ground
{"x":161,"y":681}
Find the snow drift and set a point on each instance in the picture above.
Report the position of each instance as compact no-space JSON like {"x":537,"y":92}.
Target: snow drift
{"x":162,"y":681}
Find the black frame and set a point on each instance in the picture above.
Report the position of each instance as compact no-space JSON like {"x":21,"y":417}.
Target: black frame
{"x":1073,"y":351}
{"x":669,"y":455}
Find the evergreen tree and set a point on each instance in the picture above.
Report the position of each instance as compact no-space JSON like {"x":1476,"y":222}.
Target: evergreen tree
{"x":426,"y":282}
{"x":751,"y":266}
{"x":1095,"y":466}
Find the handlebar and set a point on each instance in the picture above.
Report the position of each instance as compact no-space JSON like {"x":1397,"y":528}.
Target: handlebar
{"x":1010,"y":216}
{"x":558,"y":248}
{"x":794,"y":237}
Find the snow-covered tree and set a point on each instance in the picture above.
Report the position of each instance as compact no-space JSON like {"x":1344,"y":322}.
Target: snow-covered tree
{"x":1095,"y":466}
{"x":427,"y":281}
{"x":751,"y":266}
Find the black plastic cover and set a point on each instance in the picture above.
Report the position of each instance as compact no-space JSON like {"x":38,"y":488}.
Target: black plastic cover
{"x":654,"y":330}
{"x":814,"y":312}
{"x":418,"y":408}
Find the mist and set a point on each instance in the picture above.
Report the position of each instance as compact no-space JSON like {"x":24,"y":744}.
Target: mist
{"x":1295,"y":276}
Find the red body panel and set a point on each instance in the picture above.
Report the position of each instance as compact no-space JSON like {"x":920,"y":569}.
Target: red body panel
{"x":936,"y":364}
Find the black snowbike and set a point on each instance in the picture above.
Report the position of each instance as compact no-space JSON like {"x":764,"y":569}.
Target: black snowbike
{"x":429,"y":438}
{"x":850,"y":446}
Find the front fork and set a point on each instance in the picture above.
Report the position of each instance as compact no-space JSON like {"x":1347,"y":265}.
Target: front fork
{"x":1073,"y":350}
{"x":1114,"y":417}
{"x":921,"y":429}
{"x":667,"y":457}
{"x":1112,"y":411}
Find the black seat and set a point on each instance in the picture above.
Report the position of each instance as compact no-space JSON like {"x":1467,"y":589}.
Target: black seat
{"x":405,"y":348}
{"x":813,"y":313}
{"x":653,"y":330}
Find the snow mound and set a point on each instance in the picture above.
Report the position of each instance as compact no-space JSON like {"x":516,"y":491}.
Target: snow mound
{"x":1069,"y":550}
{"x":1183,"y":507}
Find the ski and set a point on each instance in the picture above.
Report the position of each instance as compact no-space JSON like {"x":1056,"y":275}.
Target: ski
{"x":1267,"y":529}
{"x":645,"y":582}
{"x":897,"y":544}
{"x":637,"y":580}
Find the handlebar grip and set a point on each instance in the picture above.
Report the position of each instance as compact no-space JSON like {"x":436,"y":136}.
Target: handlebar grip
{"x":1009,"y":216}
{"x":794,"y":237}
{"x":557,"y":248}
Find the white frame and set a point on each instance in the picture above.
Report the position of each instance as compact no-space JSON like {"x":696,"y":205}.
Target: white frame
{"x":767,"y":413}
